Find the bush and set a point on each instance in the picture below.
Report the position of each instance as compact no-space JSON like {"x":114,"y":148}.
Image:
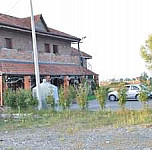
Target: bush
{"x":10,"y":98}
{"x":71,"y":93}
{"x":91,"y":97}
{"x":81,"y":96}
{"x":143,"y":97}
{"x":65,"y":97}
{"x":50,"y":100}
{"x":19,"y":99}
{"x":122,"y":96}
{"x":101,"y":95}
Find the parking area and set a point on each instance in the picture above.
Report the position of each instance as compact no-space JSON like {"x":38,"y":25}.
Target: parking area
{"x":113,"y":105}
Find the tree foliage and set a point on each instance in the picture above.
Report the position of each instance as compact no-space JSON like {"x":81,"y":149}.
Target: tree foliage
{"x":144,"y":78}
{"x":101,"y":95}
{"x":146,"y":52}
{"x":81,"y":96}
{"x":66,"y":96}
{"x":122,"y":96}
{"x":143,"y":97}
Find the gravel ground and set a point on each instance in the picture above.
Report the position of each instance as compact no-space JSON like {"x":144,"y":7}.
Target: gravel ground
{"x":105,"y":138}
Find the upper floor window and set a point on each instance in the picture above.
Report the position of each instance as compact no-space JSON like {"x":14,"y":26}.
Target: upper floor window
{"x":8,"y":43}
{"x":55,"y":49}
{"x":47,"y":48}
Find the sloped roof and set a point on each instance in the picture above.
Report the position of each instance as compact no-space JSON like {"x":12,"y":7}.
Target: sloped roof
{"x":75,"y":52}
{"x":45,"y":69}
{"x":26,"y":24}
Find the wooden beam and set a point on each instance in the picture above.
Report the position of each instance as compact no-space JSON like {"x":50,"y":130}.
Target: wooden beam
{"x":27,"y":82}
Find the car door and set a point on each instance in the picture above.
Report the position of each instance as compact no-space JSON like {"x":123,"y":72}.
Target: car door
{"x":134,"y":90}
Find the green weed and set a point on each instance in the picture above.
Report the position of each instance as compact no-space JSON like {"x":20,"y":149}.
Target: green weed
{"x":72,"y":121}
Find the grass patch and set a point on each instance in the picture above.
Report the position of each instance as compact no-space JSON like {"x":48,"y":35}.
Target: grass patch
{"x":71,"y":121}
{"x":91,"y":97}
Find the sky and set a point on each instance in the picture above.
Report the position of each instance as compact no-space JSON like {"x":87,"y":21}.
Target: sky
{"x":114,"y":30}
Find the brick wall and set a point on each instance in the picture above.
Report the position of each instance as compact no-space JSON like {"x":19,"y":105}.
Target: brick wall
{"x":23,"y":41}
{"x":22,"y":48}
{"x":1,"y":97}
{"x":18,"y":55}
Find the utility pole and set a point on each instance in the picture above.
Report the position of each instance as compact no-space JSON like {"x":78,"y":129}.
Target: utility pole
{"x":36,"y":65}
{"x":80,"y":41}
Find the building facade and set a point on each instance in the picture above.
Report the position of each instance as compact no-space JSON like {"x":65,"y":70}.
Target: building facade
{"x":58,"y":61}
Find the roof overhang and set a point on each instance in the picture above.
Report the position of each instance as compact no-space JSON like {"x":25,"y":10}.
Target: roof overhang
{"x":26,"y":30}
{"x":45,"y":69}
{"x":89,"y":57}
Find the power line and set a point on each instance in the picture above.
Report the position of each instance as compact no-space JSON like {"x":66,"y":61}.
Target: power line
{"x":15,"y":4}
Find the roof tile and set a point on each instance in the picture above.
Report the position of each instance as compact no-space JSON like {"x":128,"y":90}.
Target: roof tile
{"x":45,"y":69}
{"x":26,"y":23}
{"x":75,"y":52}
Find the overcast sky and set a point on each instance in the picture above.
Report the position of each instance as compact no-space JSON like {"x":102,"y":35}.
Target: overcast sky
{"x":114,"y":29}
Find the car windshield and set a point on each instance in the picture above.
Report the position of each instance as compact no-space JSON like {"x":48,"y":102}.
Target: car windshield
{"x":143,"y":87}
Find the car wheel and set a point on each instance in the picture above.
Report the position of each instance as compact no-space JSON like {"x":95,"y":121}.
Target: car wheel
{"x":137,"y":97}
{"x":112,"y":98}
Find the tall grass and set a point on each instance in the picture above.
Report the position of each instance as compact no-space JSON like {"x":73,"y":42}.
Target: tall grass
{"x":67,"y":119}
{"x":70,"y":120}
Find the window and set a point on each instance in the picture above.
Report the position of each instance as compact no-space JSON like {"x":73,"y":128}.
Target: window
{"x":127,"y":87}
{"x":55,"y":49}
{"x":47,"y":48}
{"x":134,"y":88}
{"x":82,"y":61}
{"x":8,"y":42}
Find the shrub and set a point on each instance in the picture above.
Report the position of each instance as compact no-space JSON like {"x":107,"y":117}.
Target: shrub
{"x":101,"y":95}
{"x":122,"y":95}
{"x":10,"y":98}
{"x":19,"y":99}
{"x":91,"y":97}
{"x":71,"y":93}
{"x":81,"y":96}
{"x":64,"y":97}
{"x":143,"y":97}
{"x":50,"y":100}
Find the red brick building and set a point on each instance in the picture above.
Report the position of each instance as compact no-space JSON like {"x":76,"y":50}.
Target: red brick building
{"x":57,"y":59}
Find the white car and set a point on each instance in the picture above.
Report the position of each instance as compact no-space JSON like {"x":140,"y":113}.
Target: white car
{"x":132,"y":92}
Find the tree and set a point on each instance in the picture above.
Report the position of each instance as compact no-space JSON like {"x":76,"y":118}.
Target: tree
{"x":144,"y":78}
{"x":146,"y":52}
{"x":101,"y":95}
{"x":127,"y":79}
{"x":122,"y":95}
{"x":81,"y":96}
{"x":143,"y":97}
{"x":121,"y":80}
